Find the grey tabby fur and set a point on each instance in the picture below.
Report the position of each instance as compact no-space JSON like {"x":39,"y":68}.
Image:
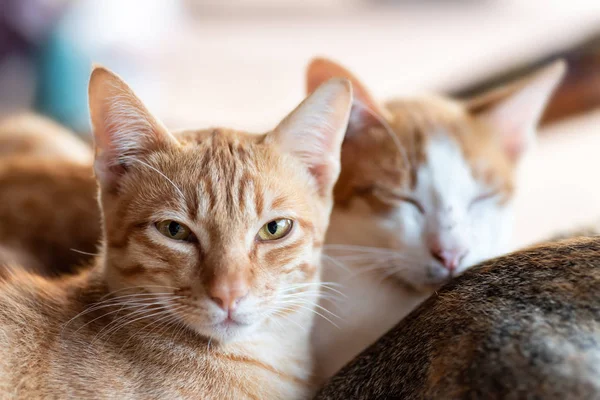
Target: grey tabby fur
{"x":522,"y":326}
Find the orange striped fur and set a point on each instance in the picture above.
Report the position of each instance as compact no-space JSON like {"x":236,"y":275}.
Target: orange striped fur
{"x":41,"y":166}
{"x":222,"y":314}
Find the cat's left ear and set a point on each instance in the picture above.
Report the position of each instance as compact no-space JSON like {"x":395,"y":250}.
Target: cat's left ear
{"x":514,"y":111}
{"x":124,"y":130}
{"x":366,"y":113}
{"x":314,"y":131}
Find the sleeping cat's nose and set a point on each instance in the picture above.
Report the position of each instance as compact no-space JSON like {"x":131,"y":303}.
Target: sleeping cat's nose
{"x":450,"y":258}
{"x":227,"y":291}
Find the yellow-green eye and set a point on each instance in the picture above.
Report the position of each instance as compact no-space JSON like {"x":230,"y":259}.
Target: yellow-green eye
{"x":174,"y":230}
{"x":275,"y":229}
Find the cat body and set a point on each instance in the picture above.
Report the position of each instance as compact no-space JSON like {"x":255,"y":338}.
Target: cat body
{"x":46,"y":188}
{"x":42,"y":199}
{"x":425,"y":192}
{"x":208,"y":272}
{"x":524,"y":325}
{"x":29,"y":134}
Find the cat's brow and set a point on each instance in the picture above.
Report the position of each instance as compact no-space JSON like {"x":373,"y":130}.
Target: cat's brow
{"x":161,"y":174}
{"x":229,"y":184}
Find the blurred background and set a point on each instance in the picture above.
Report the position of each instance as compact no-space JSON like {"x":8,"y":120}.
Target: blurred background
{"x":240,"y":63}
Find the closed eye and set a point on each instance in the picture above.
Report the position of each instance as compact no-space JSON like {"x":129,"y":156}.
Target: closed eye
{"x":401,"y":197}
{"x":483,"y":197}
{"x":412,"y":202}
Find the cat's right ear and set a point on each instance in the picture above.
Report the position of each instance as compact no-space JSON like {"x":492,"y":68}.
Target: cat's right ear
{"x":314,"y":132}
{"x":124,"y":129}
{"x":366,"y":113}
{"x":514,"y":110}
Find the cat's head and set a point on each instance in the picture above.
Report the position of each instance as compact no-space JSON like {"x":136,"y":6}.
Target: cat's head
{"x":221,"y":229}
{"x":431,"y":180}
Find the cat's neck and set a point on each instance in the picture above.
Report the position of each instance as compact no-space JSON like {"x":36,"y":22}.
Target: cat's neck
{"x":370,"y":303}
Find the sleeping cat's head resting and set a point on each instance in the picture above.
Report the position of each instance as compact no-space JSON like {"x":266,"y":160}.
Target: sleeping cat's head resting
{"x":432,"y":179}
{"x":224,"y":228}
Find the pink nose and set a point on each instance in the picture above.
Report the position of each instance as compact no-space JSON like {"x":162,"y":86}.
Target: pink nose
{"x":227,"y":291}
{"x":450,"y":258}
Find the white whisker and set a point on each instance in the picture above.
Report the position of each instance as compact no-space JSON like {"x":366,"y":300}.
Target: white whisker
{"x":335,"y":262}
{"x":138,"y":299}
{"x":83,"y":252}
{"x":276,"y":313}
{"x":309,"y":304}
{"x":160,"y":173}
{"x":138,"y":287}
{"x":168,"y":317}
{"x":112,"y":331}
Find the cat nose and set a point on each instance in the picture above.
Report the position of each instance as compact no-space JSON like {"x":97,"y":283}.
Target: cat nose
{"x":449,"y":258}
{"x":227,"y":292}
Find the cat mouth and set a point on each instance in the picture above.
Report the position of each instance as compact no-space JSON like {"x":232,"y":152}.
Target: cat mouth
{"x":228,"y":329}
{"x":230,"y":322}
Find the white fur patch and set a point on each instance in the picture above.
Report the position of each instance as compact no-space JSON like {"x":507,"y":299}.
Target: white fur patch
{"x":446,"y":188}
{"x":376,"y":247}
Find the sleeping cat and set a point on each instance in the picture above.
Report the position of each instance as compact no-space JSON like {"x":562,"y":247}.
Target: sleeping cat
{"x":40,"y":200}
{"x":522,"y":326}
{"x":209,"y":269}
{"x":425,"y":192}
{"x":36,"y":136}
{"x":46,"y":189}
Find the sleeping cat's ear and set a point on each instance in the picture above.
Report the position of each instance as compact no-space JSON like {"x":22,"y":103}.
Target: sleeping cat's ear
{"x":514,"y":111}
{"x":314,"y":131}
{"x":365,"y":113}
{"x":123,"y":128}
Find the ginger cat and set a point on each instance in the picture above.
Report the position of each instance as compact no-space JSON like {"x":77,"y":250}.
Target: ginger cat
{"x":37,"y":136}
{"x":46,"y":189}
{"x":425,"y":192}
{"x":42,"y":199}
{"x":209,"y":268}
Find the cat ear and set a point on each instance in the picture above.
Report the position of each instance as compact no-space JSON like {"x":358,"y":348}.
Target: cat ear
{"x":314,"y":131}
{"x":515,"y":110}
{"x":365,"y":110}
{"x":123,"y":128}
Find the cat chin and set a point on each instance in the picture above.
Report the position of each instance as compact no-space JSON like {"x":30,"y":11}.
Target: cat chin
{"x":426,"y":282}
{"x":225,"y":331}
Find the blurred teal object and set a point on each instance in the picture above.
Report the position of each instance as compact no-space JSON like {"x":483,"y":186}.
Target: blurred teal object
{"x":63,"y":73}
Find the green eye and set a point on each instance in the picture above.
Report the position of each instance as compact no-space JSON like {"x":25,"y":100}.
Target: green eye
{"x":174,"y":230}
{"x":275,"y":229}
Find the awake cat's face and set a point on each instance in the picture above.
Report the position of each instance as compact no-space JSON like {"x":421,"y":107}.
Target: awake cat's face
{"x":429,"y":182}
{"x":222,"y":229}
